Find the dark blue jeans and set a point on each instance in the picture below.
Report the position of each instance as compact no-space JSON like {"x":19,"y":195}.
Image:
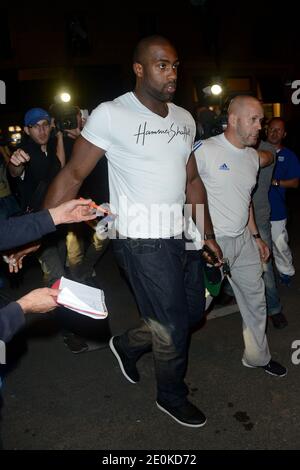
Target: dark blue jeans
{"x":168,"y":285}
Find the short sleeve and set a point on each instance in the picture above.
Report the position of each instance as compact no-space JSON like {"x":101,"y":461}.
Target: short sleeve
{"x":199,"y":155}
{"x":97,"y":129}
{"x":293,"y":167}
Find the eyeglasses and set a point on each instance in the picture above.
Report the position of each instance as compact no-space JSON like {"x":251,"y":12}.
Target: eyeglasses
{"x":38,"y":127}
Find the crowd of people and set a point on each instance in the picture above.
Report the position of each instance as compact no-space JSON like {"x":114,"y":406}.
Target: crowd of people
{"x":156,"y":172}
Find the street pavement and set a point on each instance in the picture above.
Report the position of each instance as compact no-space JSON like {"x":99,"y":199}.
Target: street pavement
{"x":56,"y":400}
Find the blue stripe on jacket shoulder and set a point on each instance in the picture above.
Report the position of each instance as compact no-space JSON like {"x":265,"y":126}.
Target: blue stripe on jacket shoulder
{"x":197,"y":145}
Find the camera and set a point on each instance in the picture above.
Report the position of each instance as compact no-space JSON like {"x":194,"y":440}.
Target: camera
{"x":65,"y":116}
{"x":210,"y":124}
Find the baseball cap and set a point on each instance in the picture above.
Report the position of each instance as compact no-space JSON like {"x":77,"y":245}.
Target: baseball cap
{"x":35,"y":115}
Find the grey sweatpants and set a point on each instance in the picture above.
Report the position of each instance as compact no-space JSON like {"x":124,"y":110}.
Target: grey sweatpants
{"x":249,"y":290}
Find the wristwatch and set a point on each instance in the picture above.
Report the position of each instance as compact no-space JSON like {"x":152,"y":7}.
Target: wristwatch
{"x":209,"y":236}
{"x":256,"y":235}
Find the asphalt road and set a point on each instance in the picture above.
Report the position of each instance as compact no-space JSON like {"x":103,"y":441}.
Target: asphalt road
{"x":57,"y":400}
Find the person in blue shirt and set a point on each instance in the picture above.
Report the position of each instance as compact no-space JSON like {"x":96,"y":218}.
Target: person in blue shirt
{"x":286,"y":175}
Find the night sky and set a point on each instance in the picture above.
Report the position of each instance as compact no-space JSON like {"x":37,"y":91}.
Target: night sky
{"x":88,"y":49}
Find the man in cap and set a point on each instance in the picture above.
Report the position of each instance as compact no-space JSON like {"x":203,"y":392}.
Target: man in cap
{"x":34,"y":165}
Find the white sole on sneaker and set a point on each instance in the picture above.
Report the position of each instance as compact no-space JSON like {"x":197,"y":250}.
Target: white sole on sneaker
{"x":266,"y":370}
{"x":275,"y":375}
{"x":178,"y":421}
{"x":114,"y":351}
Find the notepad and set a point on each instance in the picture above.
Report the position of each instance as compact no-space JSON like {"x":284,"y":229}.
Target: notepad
{"x":83,"y":299}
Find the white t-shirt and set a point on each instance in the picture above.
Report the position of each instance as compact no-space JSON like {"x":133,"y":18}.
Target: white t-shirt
{"x":229,"y":175}
{"x":147,"y":156}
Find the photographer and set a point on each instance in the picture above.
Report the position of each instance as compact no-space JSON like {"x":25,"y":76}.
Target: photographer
{"x":37,"y":160}
{"x":68,"y":122}
{"x":33,"y":166}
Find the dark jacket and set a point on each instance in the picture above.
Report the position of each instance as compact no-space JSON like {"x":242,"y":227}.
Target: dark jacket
{"x":39,"y":172}
{"x":15,"y":232}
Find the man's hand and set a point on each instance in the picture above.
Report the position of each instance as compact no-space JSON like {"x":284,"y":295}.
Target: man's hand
{"x":214,"y":247}
{"x":39,"y":300}
{"x":19,"y":157}
{"x":264,"y":250}
{"x":15,"y":260}
{"x":73,"y":133}
{"x":76,"y":210}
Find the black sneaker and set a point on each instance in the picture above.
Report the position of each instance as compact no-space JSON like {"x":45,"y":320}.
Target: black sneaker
{"x":186,"y":414}
{"x":75,"y":343}
{"x":279,"y":320}
{"x":127,"y":366}
{"x":272,"y":368}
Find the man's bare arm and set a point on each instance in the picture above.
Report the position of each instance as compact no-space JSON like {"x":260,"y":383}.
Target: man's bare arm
{"x":196,"y":194}
{"x":291,"y":183}
{"x":66,"y":184}
{"x":263,"y":248}
{"x":265,"y":158}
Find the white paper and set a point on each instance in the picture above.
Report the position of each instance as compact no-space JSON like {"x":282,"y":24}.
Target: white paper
{"x":83,"y":299}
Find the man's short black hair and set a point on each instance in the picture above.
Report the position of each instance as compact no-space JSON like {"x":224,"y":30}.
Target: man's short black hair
{"x":144,"y":44}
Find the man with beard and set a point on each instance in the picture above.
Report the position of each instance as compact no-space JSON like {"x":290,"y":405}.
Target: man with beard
{"x":148,"y":144}
{"x":228,"y":166}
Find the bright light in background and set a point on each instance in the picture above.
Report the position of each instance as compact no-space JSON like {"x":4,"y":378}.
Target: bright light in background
{"x":65,"y":97}
{"x":14,"y":129}
{"x":216,"y":89}
{"x":14,"y":135}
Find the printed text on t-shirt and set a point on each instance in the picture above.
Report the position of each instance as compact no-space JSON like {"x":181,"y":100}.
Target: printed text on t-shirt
{"x":171,"y":132}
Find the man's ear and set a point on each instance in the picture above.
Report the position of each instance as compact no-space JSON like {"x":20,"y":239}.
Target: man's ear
{"x":26,"y":130}
{"x":232,"y":118}
{"x":138,"y":69}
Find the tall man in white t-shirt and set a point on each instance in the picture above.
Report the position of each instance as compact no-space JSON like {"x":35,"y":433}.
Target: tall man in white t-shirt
{"x":152,"y":172}
{"x":228,"y":167}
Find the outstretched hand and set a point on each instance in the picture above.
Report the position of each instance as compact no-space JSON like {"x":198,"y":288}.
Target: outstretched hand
{"x":76,"y":210}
